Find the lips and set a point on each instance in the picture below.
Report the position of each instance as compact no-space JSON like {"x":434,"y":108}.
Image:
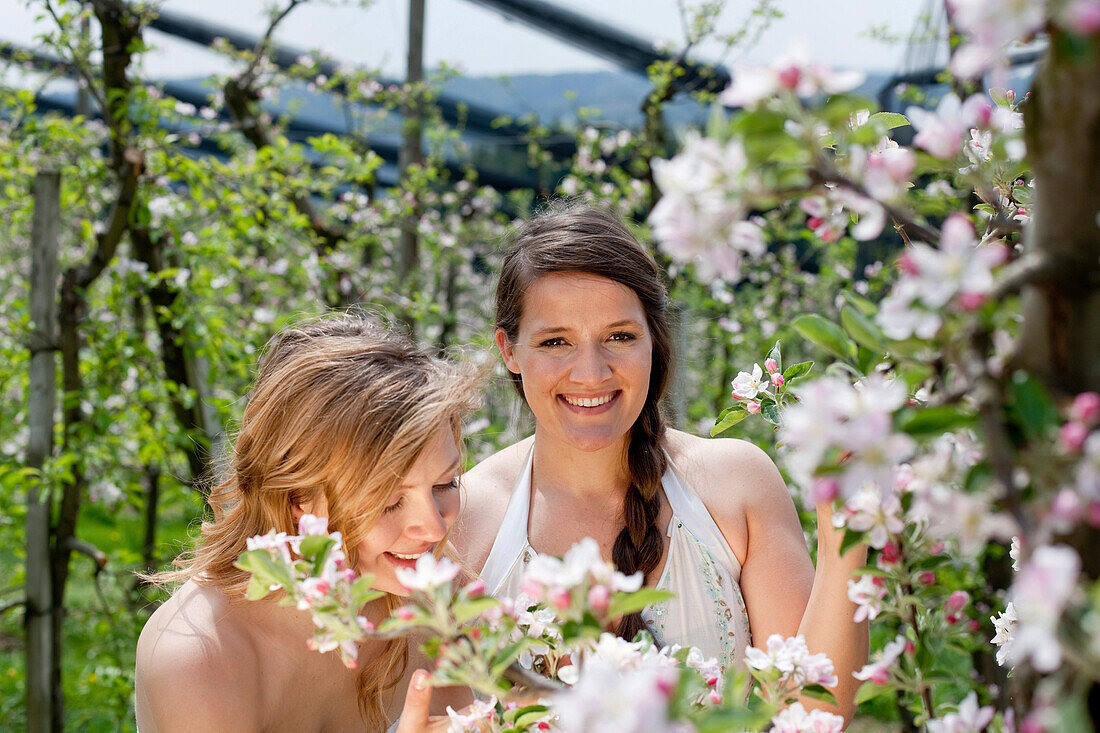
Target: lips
{"x":404,"y":560}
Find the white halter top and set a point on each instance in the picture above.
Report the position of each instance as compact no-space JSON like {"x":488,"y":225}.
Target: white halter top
{"x":701,"y":570}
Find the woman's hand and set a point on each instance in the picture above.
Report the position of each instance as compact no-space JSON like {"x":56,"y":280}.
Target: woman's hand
{"x":415,"y":716}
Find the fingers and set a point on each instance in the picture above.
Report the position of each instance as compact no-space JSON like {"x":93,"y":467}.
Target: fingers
{"x":418,"y":698}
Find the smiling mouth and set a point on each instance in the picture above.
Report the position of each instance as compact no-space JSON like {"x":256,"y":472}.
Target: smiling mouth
{"x":591,"y":401}
{"x":400,"y":556}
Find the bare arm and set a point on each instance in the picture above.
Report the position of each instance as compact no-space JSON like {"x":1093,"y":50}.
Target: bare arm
{"x":784,"y":594}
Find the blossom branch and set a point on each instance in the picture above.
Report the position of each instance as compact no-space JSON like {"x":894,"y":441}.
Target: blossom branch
{"x":918,"y":230}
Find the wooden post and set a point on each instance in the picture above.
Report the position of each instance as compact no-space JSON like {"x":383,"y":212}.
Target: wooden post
{"x":42,"y":397}
{"x":411,"y":147}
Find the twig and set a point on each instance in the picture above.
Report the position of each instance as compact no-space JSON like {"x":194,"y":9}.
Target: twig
{"x":1030,"y":268}
{"x":902,"y":218}
{"x":12,"y":604}
{"x":81,"y":68}
{"x":261,"y":48}
{"x":87,"y":548}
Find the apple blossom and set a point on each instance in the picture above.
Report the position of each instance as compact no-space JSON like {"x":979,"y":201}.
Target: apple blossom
{"x":969,"y":718}
{"x":941,"y":132}
{"x":1042,"y":590}
{"x":796,"y":719}
{"x":478,"y":712}
{"x":747,"y":386}
{"x":792,"y":72}
{"x":878,"y":670}
{"x":791,"y":662}
{"x":868,"y":596}
{"x":989,"y":27}
{"x":429,"y":573}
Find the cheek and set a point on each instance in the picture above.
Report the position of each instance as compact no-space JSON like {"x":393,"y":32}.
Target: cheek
{"x":448,"y":506}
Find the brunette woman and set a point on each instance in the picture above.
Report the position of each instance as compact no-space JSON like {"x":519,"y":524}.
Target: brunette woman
{"x":582,"y":325}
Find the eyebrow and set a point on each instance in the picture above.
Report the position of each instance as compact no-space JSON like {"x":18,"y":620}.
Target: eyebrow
{"x":561,"y":329}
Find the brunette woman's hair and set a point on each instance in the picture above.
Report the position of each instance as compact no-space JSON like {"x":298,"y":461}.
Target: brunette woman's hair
{"x":341,"y":408}
{"x":583,"y":239}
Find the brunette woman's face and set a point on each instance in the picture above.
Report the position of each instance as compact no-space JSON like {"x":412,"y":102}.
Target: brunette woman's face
{"x":418,"y":515}
{"x":585,"y":353}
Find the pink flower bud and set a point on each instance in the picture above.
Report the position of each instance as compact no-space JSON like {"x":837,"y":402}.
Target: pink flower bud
{"x":1092,"y":514}
{"x":665,"y":687}
{"x":926,"y":578}
{"x":559,"y":597}
{"x":880,"y":676}
{"x":715,"y":697}
{"x":476,"y":589}
{"x":936,"y":548}
{"x":907,"y":264}
{"x":814,"y":222}
{"x":877,"y":581}
{"x":405,"y":613}
{"x":824,"y":490}
{"x":1010,"y":95}
{"x":975,"y":626}
{"x":951,"y":618}
{"x":789,"y":77}
{"x":771,"y":365}
{"x":957,"y":601}
{"x":1066,"y":506}
{"x":890,"y":553}
{"x":599,"y":598}
{"x":1073,"y":435}
{"x":971,"y":301}
{"x":1086,"y":407}
{"x":1083,"y":17}
{"x":543,"y":725}
{"x":778,"y":380}
{"x":712,"y":681}
{"x":753,"y":408}
{"x":983,"y":113}
{"x":910,"y":647}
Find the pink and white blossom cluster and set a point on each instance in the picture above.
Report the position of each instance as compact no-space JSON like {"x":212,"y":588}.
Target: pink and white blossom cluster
{"x":792,"y":73}
{"x":707,"y":191}
{"x":789,"y":663}
{"x":1028,"y":630}
{"x":796,"y":719}
{"x":959,"y":272}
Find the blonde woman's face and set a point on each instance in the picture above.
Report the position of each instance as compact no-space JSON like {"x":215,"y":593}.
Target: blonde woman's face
{"x":418,"y":516}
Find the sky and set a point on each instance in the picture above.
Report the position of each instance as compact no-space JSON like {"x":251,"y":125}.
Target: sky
{"x":482,"y":42}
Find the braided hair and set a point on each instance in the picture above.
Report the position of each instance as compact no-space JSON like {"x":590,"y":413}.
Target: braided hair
{"x":584,"y":239}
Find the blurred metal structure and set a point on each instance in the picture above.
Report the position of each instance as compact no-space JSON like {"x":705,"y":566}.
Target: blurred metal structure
{"x":628,"y":51}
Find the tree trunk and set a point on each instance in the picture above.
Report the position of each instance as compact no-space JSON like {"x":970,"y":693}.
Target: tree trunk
{"x":1060,"y":339}
{"x":42,"y":397}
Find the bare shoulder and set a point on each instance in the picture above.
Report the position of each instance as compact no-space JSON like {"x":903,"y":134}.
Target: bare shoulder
{"x":487,"y":487}
{"x":737,"y":481}
{"x":196,"y":666}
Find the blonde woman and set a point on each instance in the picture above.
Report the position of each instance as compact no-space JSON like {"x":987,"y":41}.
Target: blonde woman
{"x":348,"y":421}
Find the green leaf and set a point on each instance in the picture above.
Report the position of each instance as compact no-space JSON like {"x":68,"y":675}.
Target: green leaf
{"x":869,"y":691}
{"x":862,"y":329}
{"x":466,"y":610}
{"x":728,"y":419}
{"x":770,"y":412}
{"x":818,"y":692}
{"x":509,"y":654}
{"x":851,"y":539}
{"x":527,"y":716}
{"x":624,"y":603}
{"x":825,"y":334}
{"x":890,"y":119}
{"x":933,"y":420}
{"x":794,"y":371}
{"x":1031,"y":406}
{"x":315,"y":548}
{"x":857,"y":301}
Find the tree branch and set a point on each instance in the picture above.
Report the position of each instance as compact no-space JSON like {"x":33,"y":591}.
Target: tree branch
{"x":915,"y":229}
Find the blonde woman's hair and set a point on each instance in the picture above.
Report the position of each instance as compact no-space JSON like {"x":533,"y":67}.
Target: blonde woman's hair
{"x":341,"y":408}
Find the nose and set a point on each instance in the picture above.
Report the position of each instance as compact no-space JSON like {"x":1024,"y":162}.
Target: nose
{"x":591,"y":365}
{"x":432,"y":518}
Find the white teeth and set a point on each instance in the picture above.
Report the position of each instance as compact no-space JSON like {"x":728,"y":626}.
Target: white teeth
{"x":406,"y":557}
{"x":589,"y":401}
